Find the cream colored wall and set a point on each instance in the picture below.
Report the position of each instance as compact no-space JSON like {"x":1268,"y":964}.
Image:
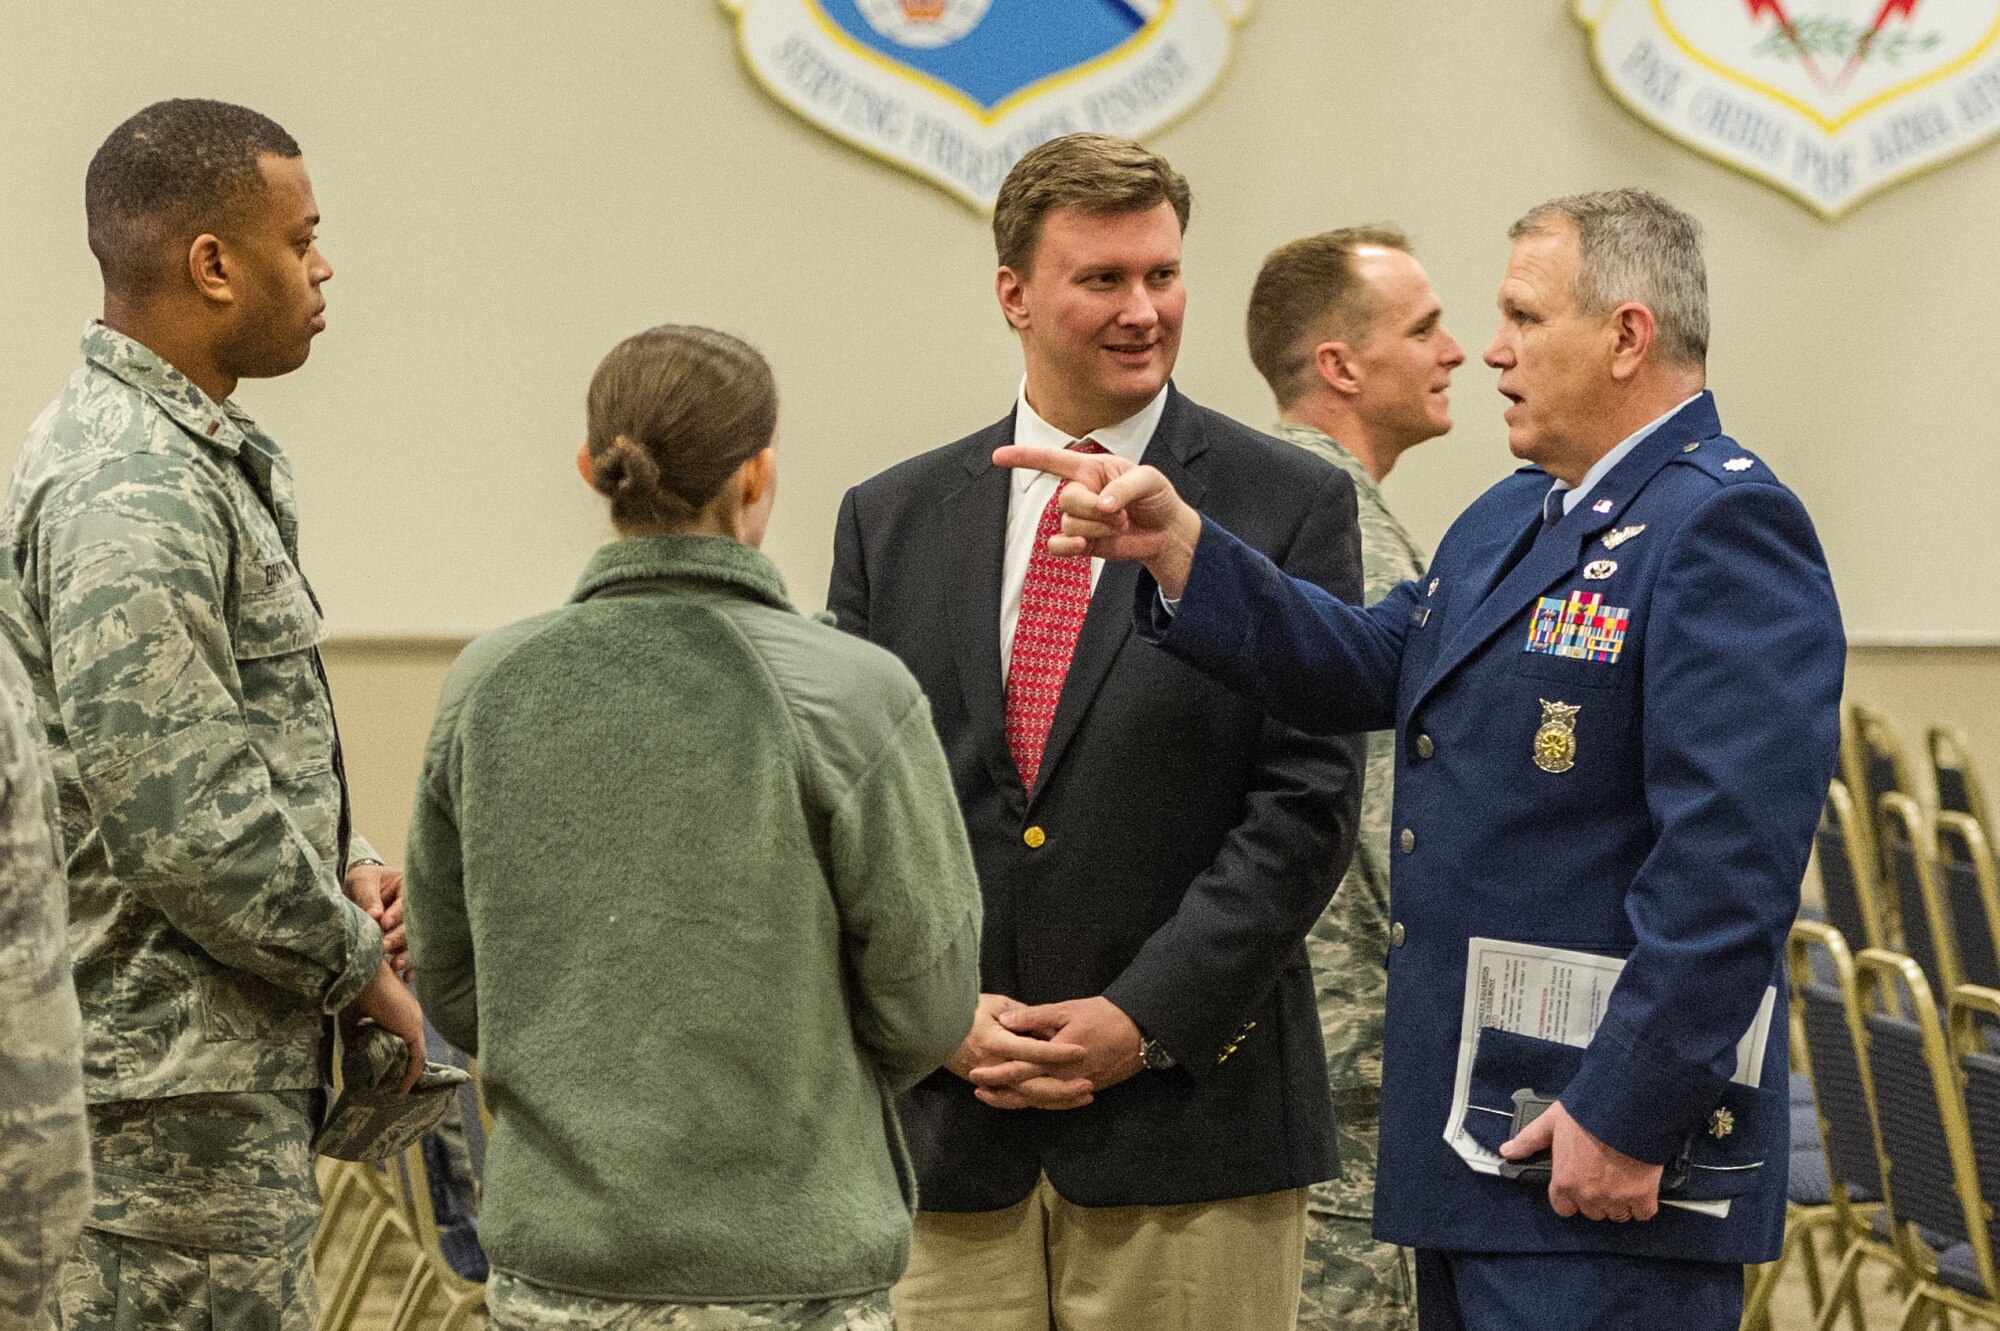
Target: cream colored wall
{"x":385,"y":692}
{"x":511,"y":187}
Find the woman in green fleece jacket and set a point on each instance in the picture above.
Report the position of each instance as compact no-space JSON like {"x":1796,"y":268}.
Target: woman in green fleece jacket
{"x":687,"y":874}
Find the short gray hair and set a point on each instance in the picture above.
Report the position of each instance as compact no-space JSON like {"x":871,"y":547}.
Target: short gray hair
{"x":1634,"y":245}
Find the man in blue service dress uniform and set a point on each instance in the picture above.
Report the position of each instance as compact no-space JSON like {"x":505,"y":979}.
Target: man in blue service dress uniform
{"x":1634,"y":773}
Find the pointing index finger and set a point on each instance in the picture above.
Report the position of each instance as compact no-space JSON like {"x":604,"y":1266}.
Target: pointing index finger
{"x":1056,"y":461}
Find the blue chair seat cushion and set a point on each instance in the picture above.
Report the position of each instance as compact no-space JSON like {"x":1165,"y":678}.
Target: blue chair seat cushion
{"x":1809,"y":1184}
{"x":1958,"y":1269}
{"x":460,"y":1245}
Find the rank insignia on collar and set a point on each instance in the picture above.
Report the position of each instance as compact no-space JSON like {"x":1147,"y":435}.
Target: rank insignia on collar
{"x":1555,"y":742}
{"x":1433,"y":589}
{"x":1597,"y":570}
{"x":1614,"y":539}
{"x":1739,"y":464}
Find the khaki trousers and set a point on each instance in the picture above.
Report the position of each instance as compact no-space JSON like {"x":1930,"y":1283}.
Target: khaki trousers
{"x":1047,"y":1265}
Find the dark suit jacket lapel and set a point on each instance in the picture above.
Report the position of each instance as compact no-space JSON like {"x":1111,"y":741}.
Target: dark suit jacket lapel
{"x":1176,"y":441}
{"x":1555,"y":558}
{"x":973,"y":527}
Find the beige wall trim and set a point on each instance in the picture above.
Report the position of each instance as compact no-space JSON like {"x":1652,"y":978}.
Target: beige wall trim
{"x":397,"y":644}
{"x":1951,"y":642}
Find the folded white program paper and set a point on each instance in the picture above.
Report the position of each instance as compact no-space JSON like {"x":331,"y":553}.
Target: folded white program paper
{"x":1553,"y":993}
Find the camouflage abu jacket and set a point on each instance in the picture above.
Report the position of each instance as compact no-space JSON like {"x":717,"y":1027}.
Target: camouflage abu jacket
{"x":44,"y":1151}
{"x":1352,"y":936}
{"x":172,"y":645}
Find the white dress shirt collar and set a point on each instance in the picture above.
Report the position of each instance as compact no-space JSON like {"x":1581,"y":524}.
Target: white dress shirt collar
{"x":1029,"y":495}
{"x":1575,"y":496}
{"x":1128,"y":438}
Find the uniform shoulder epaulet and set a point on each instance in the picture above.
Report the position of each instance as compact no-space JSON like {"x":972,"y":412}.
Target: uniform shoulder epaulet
{"x":1726,"y":460}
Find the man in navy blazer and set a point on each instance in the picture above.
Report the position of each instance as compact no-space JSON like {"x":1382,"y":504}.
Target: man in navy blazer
{"x":1125,"y":1137}
{"x":1616,"y":705}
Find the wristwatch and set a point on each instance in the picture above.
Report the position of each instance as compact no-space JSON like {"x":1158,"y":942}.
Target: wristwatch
{"x":1153,"y":1055}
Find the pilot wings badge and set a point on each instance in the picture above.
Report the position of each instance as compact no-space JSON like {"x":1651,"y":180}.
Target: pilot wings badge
{"x":957,"y":90}
{"x":1614,"y":539}
{"x":1828,"y":100}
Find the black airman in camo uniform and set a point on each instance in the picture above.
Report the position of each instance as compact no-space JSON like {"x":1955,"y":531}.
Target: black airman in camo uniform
{"x":172,"y":647}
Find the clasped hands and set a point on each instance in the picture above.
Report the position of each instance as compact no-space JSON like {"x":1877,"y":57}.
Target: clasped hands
{"x":1052,"y":1056}
{"x":378,"y":889}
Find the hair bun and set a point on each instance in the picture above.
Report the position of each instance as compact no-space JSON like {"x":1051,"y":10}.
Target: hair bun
{"x":625,"y":470}
{"x":674,"y":412}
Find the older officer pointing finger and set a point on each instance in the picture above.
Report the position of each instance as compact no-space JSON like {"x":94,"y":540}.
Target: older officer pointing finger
{"x":1616,"y":705}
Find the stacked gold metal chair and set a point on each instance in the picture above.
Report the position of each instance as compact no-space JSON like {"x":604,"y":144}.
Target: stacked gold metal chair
{"x":379,"y":1229}
{"x":1843,"y":1206}
{"x":358,"y":1227}
{"x":1954,"y":775}
{"x":1928,"y":923}
{"x":433,"y":1297}
{"x":1940,"y":1221}
{"x":1967,"y":1271}
{"x":1849,"y":872}
{"x":1971,"y":884}
{"x":1875,"y":763}
{"x":1946,"y":886}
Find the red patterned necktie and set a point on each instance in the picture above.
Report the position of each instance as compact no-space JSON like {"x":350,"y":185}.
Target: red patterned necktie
{"x":1055,"y":597}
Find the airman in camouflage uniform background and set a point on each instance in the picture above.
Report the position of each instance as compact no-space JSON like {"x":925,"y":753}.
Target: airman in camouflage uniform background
{"x":44,"y":1154}
{"x":171,"y":645}
{"x":1347,"y":331}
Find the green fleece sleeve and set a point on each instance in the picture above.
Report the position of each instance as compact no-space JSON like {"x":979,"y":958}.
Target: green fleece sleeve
{"x":909,"y":903}
{"x":434,"y":887}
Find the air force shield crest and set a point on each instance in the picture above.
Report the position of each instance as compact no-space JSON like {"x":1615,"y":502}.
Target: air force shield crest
{"x":957,"y":90}
{"x":1828,"y":100}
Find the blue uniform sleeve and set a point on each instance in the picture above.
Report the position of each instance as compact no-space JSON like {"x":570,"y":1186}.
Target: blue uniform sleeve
{"x":1741,"y":676}
{"x":1308,"y":658}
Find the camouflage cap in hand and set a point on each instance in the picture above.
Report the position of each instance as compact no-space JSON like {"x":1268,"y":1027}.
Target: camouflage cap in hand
{"x":373,"y":1119}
